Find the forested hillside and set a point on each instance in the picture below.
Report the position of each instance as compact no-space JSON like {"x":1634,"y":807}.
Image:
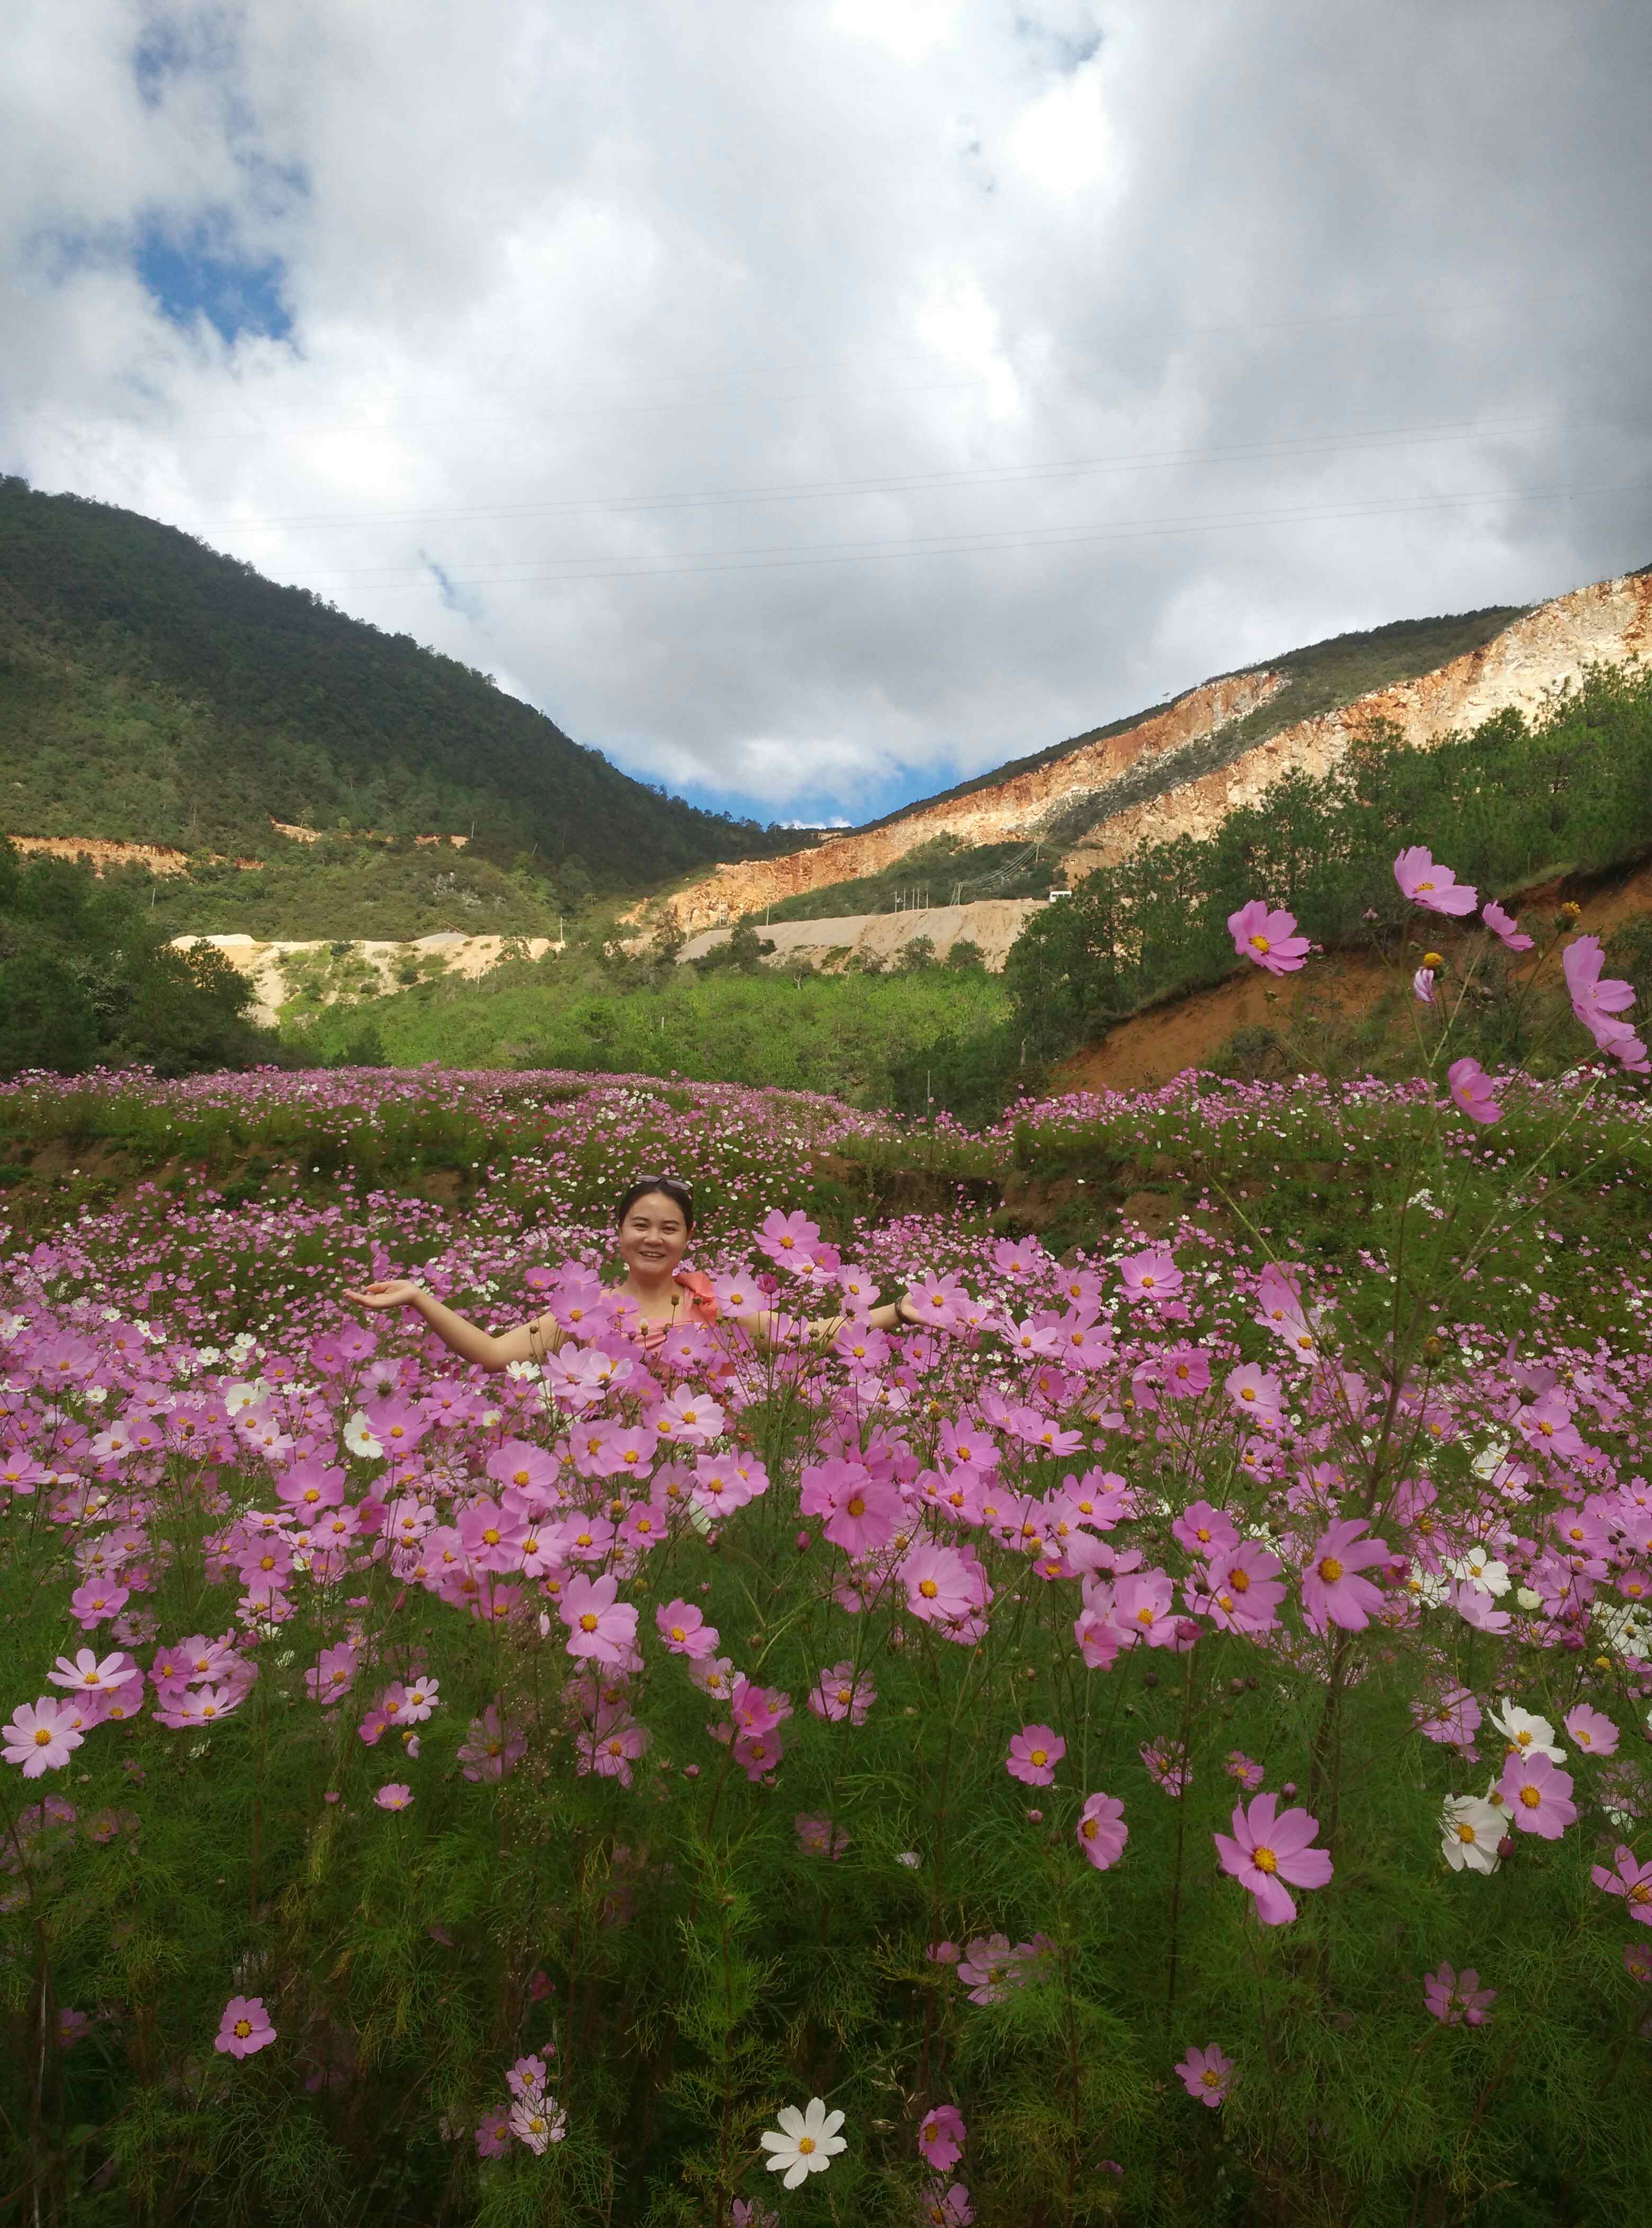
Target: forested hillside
{"x":1510,"y":806}
{"x":153,"y":690}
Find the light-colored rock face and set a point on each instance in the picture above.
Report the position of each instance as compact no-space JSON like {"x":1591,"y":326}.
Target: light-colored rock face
{"x":1520,"y":668}
{"x":1012,"y":811}
{"x":375,"y":966}
{"x":993,"y":924}
{"x":1608,"y":623}
{"x":102,"y":851}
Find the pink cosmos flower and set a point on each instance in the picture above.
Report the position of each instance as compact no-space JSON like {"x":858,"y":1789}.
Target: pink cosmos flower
{"x":1592,"y":1001}
{"x":947,"y":2207}
{"x":1246,"y":1588}
{"x":1422,"y":986}
{"x":938,"y":1582}
{"x":1166,"y":1765}
{"x":684,"y":1630}
{"x":1151,"y":1276}
{"x":1332,"y":1590}
{"x":393,"y":1796}
{"x":1457,"y":1999}
{"x":41,"y":1736}
{"x":331,"y":1676}
{"x":818,"y":1837}
{"x":1268,"y":1848}
{"x":1269,"y":939}
{"x":493,"y":1747}
{"x":244,"y":2027}
{"x":1632,"y":1880}
{"x":599,"y":1627}
{"x":1206,"y":2075}
{"x":941,"y":2137}
{"x":1255,"y":1392}
{"x":1504,"y":926}
{"x":493,"y":2132}
{"x":96,"y":1602}
{"x":1537,"y":1795}
{"x":1035,"y":1752}
{"x":1205,"y":1531}
{"x":1594,"y":1733}
{"x":1471,"y":1089}
{"x":790,"y":1239}
{"x":84,"y":1674}
{"x":1248,"y":1772}
{"x":1101,"y":1830}
{"x":990,"y":1969}
{"x":536,"y":2122}
{"x":1436,"y":889}
{"x":1186,"y":1372}
{"x":837,"y":1693}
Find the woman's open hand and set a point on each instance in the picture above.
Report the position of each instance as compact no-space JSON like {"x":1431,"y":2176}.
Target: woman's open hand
{"x":394,"y":1292}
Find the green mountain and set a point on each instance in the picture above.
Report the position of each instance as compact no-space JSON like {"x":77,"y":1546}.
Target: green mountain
{"x":152,"y":690}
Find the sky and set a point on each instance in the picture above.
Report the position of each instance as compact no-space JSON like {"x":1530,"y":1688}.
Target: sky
{"x":812,"y":403}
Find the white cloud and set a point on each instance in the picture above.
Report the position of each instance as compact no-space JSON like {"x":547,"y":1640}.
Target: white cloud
{"x":717,"y":359}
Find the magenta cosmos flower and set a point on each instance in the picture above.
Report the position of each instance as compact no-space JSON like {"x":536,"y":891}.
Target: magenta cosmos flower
{"x":1632,"y":1880}
{"x":1538,"y":1794}
{"x":1457,"y":1999}
{"x":1593,"y":1001}
{"x":244,"y":2027}
{"x":1269,"y":939}
{"x":941,"y":2139}
{"x":393,"y":1796}
{"x":1206,"y":2075}
{"x":1035,"y":1752}
{"x":1504,"y":926}
{"x":1102,"y":1831}
{"x":1266,"y":1849}
{"x":1333,"y":1592}
{"x":599,"y":1626}
{"x":1436,"y":889}
{"x":1471,"y":1090}
{"x":41,"y":1736}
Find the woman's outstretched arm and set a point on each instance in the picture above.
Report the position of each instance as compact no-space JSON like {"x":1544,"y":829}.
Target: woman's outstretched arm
{"x":527,"y":1342}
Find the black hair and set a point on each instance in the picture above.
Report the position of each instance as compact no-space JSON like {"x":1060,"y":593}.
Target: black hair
{"x":673,"y":1187}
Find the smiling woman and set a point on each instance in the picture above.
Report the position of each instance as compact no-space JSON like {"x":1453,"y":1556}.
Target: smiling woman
{"x":653,"y":1218}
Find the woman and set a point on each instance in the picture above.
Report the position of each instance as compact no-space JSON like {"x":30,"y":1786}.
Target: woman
{"x":655,"y":1218}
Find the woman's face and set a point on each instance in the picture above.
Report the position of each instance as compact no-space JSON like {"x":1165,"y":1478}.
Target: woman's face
{"x":653,"y":1236}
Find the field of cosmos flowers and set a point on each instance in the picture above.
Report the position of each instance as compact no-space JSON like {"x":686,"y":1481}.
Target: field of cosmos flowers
{"x":1166,"y":1741}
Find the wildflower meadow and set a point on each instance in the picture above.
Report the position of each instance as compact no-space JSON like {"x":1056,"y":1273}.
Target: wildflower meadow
{"x":1165,"y":1741}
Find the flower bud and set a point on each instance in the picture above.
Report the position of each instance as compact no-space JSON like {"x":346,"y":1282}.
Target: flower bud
{"x":1506,"y":1847}
{"x":1433,"y":960}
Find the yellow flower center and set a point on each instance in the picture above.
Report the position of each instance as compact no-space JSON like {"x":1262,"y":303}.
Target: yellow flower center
{"x":928,"y":1588}
{"x":42,"y":1737}
{"x":805,"y":2143}
{"x":587,"y":1623}
{"x":1531,"y":1796}
{"x":1260,"y":944}
{"x":490,"y":1538}
{"x":857,"y":1505}
{"x":677,"y":1633}
{"x":1331,"y":1570}
{"x":243,"y":2028}
{"x":1265,"y":1860}
{"x":1211,"y":2079}
{"x":1465,"y":1833}
{"x":1040,"y":1757}
{"x":1239,"y":1579}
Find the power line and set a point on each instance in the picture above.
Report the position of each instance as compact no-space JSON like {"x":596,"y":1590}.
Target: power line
{"x":853,"y":552}
{"x":974,"y":475}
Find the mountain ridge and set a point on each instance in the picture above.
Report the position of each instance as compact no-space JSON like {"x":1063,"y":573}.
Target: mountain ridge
{"x":1183,"y":766}
{"x":153,"y":690}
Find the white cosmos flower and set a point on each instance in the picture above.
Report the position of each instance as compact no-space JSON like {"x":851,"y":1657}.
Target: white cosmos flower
{"x":806,"y":2142}
{"x":1527,"y":1598}
{"x":1478,"y":1568}
{"x":358,"y":1438}
{"x":1531,"y":1735}
{"x":1469,"y":1832}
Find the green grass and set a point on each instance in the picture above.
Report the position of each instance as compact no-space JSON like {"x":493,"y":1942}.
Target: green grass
{"x":840,"y":1034}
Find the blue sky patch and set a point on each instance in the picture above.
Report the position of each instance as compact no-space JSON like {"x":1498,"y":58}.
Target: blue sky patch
{"x":202,"y":275}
